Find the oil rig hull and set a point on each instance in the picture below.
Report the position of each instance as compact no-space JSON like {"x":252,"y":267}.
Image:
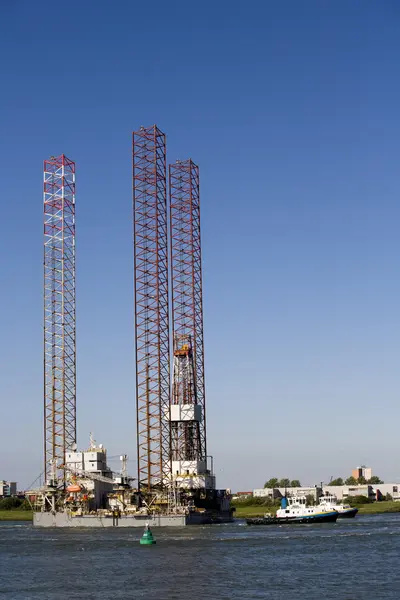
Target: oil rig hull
{"x":64,"y":519}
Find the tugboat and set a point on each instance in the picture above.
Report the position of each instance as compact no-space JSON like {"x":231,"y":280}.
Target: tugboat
{"x":294,"y":510}
{"x":345,"y":511}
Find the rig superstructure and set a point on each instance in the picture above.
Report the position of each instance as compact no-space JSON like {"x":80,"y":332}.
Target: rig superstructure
{"x":175,"y":484}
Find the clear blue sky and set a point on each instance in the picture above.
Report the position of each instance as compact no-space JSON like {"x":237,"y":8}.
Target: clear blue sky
{"x":291,"y":109}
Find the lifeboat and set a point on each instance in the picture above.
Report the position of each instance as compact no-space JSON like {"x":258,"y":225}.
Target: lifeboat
{"x":74,"y":488}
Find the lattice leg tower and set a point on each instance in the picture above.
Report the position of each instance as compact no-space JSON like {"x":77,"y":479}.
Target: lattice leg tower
{"x":151,"y":307}
{"x":59,"y":314}
{"x":188,"y":434}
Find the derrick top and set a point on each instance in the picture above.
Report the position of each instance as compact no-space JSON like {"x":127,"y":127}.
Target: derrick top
{"x":151,"y":131}
{"x":59,"y":161}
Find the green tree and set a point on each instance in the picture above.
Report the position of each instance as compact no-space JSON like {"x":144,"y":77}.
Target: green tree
{"x":284,"y":483}
{"x":310,"y":500}
{"x":361,"y":480}
{"x":272,"y":483}
{"x":337,"y":481}
{"x":249,"y":501}
{"x":295,"y":483}
{"x":25,"y":505}
{"x":269,"y":502}
{"x":10,"y":503}
{"x":358,"y":500}
{"x":375,"y":480}
{"x":351,"y":481}
{"x":388,"y":497}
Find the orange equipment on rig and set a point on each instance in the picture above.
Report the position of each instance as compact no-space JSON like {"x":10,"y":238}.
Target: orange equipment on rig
{"x":183,"y":351}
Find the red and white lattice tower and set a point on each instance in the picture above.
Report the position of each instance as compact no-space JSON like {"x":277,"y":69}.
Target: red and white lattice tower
{"x":151,"y":307}
{"x":59,"y":313}
{"x":188,"y":418}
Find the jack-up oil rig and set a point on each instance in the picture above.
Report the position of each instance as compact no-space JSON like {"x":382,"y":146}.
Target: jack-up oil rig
{"x":175,"y":483}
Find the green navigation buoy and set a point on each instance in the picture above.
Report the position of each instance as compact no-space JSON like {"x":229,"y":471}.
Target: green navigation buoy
{"x":147,"y":537}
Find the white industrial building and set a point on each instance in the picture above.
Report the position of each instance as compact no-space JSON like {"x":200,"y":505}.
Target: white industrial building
{"x":274,"y":493}
{"x":340,"y":491}
{"x":370,"y":491}
{"x":7,"y":488}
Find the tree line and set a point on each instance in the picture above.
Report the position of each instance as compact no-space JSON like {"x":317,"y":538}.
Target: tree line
{"x":274,"y":482}
{"x":353,"y":481}
{"x":14,"y":503}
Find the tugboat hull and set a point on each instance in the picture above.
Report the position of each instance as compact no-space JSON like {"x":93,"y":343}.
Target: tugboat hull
{"x":319,"y":518}
{"x":348,"y":514}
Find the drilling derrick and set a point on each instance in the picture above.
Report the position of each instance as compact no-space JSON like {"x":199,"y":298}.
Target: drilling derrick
{"x":185,"y":433}
{"x":59,"y":314}
{"x":187,"y":416}
{"x":151,"y":307}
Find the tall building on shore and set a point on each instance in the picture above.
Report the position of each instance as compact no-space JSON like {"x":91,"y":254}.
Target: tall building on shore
{"x":7,"y":488}
{"x":365,"y":472}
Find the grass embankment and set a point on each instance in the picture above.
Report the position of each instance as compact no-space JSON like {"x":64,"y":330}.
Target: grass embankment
{"x":379,"y":507}
{"x":244,"y":512}
{"x":15,"y":515}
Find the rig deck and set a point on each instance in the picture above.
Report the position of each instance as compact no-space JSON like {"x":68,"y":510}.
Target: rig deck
{"x":63,"y":519}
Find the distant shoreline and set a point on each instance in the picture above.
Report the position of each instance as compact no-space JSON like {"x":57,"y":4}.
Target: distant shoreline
{"x":242,"y":512}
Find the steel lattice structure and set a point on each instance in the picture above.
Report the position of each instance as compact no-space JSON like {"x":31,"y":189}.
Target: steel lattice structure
{"x":188,"y":439}
{"x":151,"y":307}
{"x":59,"y":313}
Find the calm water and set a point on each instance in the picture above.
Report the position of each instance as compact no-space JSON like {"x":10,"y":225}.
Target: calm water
{"x":355,"y":559}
